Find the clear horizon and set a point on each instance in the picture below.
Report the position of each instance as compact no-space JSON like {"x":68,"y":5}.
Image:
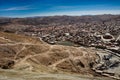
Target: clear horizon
{"x":30,"y":8}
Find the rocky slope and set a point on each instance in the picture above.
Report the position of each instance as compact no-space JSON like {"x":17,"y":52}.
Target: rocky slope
{"x":22,"y":52}
{"x":32,"y":54}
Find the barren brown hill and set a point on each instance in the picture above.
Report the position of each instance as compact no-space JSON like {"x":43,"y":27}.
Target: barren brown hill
{"x":28,"y":53}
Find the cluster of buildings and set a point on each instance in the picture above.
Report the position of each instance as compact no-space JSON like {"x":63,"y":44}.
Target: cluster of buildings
{"x":82,"y":34}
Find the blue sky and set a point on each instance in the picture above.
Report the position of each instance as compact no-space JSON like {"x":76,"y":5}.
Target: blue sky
{"x":27,"y":8}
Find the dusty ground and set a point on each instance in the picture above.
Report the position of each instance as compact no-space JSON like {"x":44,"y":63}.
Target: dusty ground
{"x":23,"y":75}
{"x":23,"y":52}
{"x":31,"y":54}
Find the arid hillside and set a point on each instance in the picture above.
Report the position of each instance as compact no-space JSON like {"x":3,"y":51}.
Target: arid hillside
{"x":32,"y":54}
{"x":22,"y":52}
